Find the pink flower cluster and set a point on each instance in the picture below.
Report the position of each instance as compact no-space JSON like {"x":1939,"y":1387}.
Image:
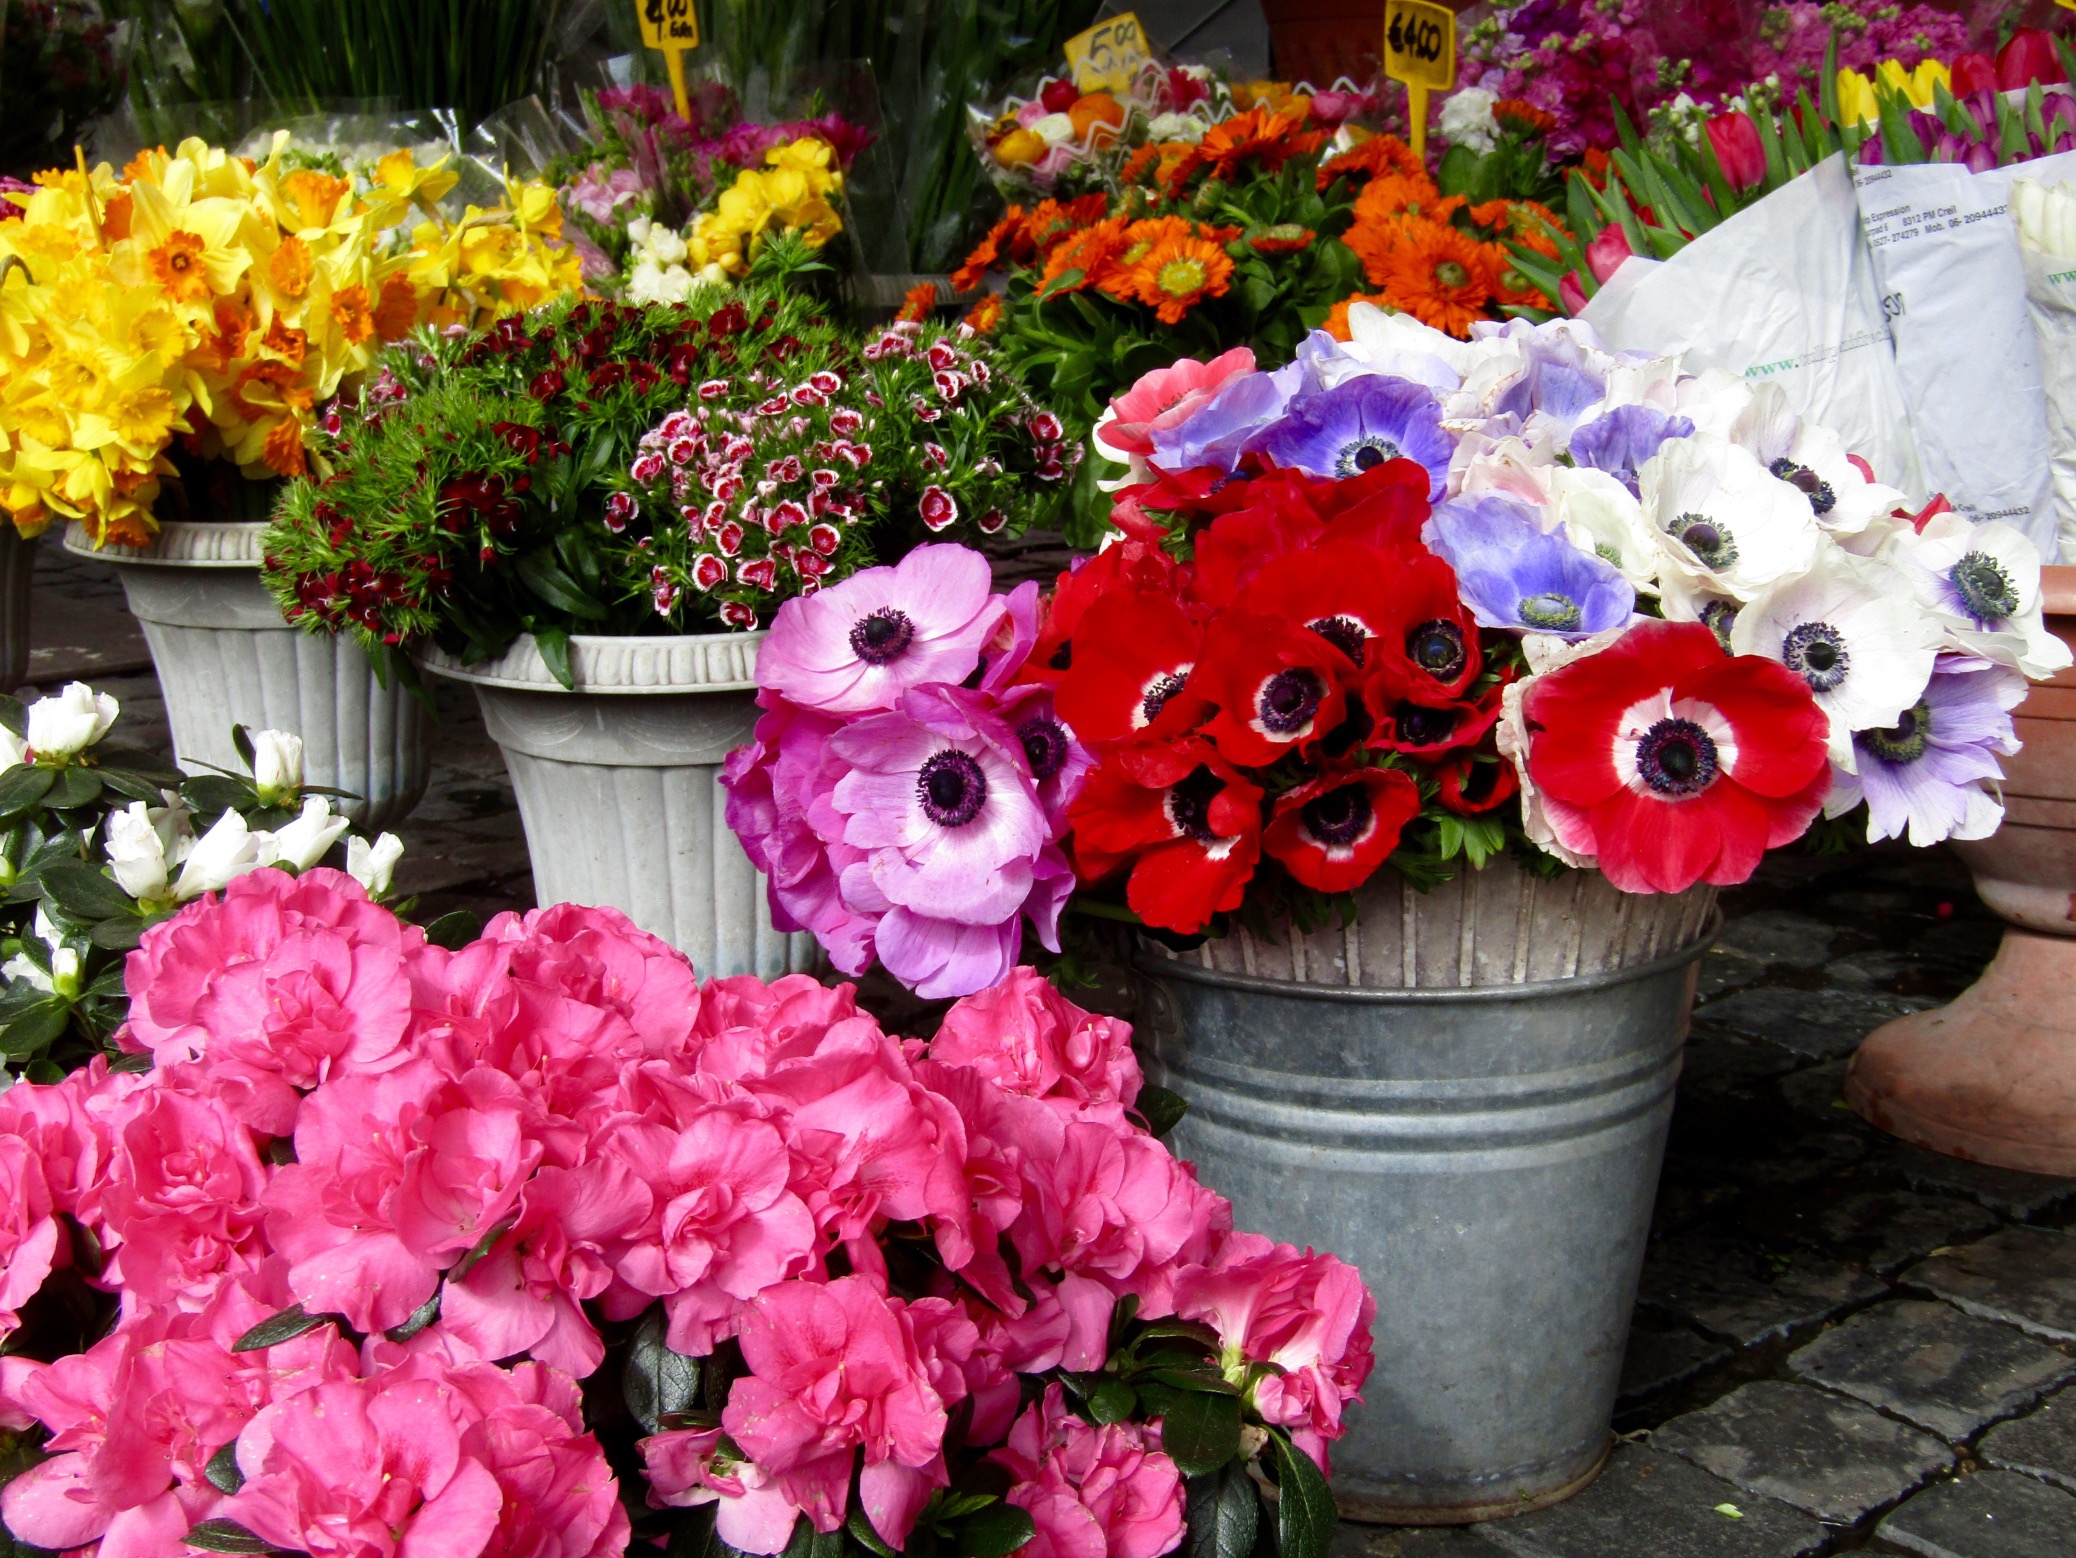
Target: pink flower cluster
{"x":472,"y":1167}
{"x":903,"y":800}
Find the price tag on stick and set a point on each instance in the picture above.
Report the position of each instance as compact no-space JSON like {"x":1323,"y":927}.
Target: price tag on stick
{"x":1420,"y":50}
{"x":1107,"y":57}
{"x":671,"y":26}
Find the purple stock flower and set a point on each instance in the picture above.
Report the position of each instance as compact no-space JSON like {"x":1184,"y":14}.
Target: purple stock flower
{"x":857,"y":647}
{"x":1930,"y":772}
{"x":1226,"y":425}
{"x":1622,"y":440}
{"x":1358,"y":425}
{"x":1513,"y":575}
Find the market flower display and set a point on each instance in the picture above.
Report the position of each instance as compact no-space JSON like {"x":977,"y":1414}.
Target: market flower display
{"x":362,"y":1231}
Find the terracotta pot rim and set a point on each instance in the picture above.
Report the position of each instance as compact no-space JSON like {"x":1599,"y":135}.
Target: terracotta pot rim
{"x":2058,"y":589}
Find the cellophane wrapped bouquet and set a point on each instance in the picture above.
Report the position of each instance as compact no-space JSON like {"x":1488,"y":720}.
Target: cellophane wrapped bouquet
{"x":1409,"y":602}
{"x":539,"y":1245}
{"x":198,"y":308}
{"x":659,"y":202}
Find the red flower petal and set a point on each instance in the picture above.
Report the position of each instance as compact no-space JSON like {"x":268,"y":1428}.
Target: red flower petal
{"x":1334,"y":833}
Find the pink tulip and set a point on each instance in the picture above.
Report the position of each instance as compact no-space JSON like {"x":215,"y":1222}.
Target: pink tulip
{"x":1735,"y":139}
{"x":1571,"y":295}
{"x":1605,"y":254}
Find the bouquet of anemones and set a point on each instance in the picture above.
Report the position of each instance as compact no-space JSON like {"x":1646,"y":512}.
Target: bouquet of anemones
{"x":539,"y":1245}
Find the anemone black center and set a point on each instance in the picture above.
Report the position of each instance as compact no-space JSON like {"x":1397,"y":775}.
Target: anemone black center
{"x":1344,"y":633}
{"x":1806,"y":481}
{"x":882,"y":636}
{"x":1904,"y":741}
{"x":1288,"y":700}
{"x":1189,"y":803}
{"x":1984,"y":587}
{"x":1158,"y":692}
{"x":1707,"y":540}
{"x":1340,"y":816}
{"x":1719,"y":616}
{"x":1437,"y":648}
{"x":1551,"y":612}
{"x":952,"y":788}
{"x":1677,"y":758}
{"x":1368,"y":457}
{"x":1816,"y":652}
{"x":1045,"y":746}
{"x":1420,"y":726}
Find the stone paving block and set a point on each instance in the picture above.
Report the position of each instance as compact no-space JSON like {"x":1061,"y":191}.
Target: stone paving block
{"x":1736,"y":1290}
{"x":2002,"y":1190}
{"x":1817,"y":1093}
{"x":1826,"y":1455}
{"x":1879,"y":969}
{"x":2025,"y":1276}
{"x":2041,"y":1444}
{"x":1759,"y":1149}
{"x":1928,"y":1362}
{"x":1822,"y":1023}
{"x":1779,"y":938}
{"x":1885,"y":1228}
{"x":1648,"y":1504}
{"x":1992,"y":1514}
{"x":1722,"y":970}
{"x":1659,"y":1357}
{"x":1354,"y":1541}
{"x":1717,"y":1063}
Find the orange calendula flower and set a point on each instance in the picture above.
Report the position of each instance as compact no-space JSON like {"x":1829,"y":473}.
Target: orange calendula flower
{"x":1177,"y":272}
{"x":989,"y":250}
{"x":289,"y":267}
{"x":1262,"y":137}
{"x":177,"y":263}
{"x":1283,"y":238}
{"x":397,"y":312}
{"x":1511,"y":113}
{"x":1440,"y":276}
{"x":984,"y":316}
{"x":1367,"y":159}
{"x":1336,"y":322}
{"x":1094,"y":252}
{"x":356,"y":317}
{"x":919,"y":302}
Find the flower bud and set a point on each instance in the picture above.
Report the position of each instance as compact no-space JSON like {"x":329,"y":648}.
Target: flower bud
{"x":277,"y":767}
{"x":65,"y":724}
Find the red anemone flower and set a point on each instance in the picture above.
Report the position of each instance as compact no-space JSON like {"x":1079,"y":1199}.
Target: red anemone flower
{"x":1277,"y":686}
{"x":1132,"y":658}
{"x":1468,"y":783}
{"x":1333,"y":833}
{"x":1130,"y":565}
{"x":1186,"y":821}
{"x":1432,"y":643}
{"x":1411,"y":716}
{"x":1672,"y":762}
{"x":1341,"y":590}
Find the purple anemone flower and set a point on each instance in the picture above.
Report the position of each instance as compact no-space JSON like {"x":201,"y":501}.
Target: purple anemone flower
{"x":1622,"y":440}
{"x":857,"y":647}
{"x":1558,"y":379}
{"x":1226,"y":424}
{"x":1357,"y":426}
{"x":1513,"y":575}
{"x":1930,"y":773}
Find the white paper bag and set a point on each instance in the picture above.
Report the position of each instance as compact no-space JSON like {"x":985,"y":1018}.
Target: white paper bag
{"x":1946,"y":260}
{"x":2050,"y":279}
{"x":1782,"y":291}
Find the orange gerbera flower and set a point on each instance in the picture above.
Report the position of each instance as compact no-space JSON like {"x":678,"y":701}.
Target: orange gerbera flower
{"x":1392,"y":195}
{"x":984,"y":316}
{"x":1367,"y":159}
{"x":1141,"y":236}
{"x":1179,"y":271}
{"x":1141,"y":159}
{"x":989,"y":250}
{"x":1053,"y":221}
{"x":1094,"y":251}
{"x":1336,"y":323}
{"x":1283,"y":238}
{"x":919,"y":302}
{"x":1260,"y":136}
{"x":1440,"y":276}
{"x":1527,"y":226}
{"x":1511,"y":113}
{"x":177,"y":263}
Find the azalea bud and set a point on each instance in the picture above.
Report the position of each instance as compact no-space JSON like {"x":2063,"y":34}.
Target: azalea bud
{"x":66,"y":724}
{"x":371,"y":864}
{"x":303,"y":842}
{"x":227,"y":851}
{"x":277,"y":767}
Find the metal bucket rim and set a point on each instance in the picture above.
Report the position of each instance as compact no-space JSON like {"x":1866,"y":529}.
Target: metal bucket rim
{"x":1423,"y":995}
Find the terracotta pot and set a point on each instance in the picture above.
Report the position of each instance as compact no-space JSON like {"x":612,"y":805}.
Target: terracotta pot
{"x":1993,"y":1076}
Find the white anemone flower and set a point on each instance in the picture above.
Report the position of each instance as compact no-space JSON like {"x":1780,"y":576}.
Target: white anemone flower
{"x":65,"y":724}
{"x":1853,"y":630}
{"x":1714,"y":401}
{"x":1982,"y":583}
{"x":301,"y":843}
{"x":1812,"y":459}
{"x":277,"y":766}
{"x":1400,"y":345}
{"x":1724,"y":525}
{"x":1603,"y":517}
{"x":371,"y":865}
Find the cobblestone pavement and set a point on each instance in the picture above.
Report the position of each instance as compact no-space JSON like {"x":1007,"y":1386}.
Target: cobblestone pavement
{"x":1842,"y":1343}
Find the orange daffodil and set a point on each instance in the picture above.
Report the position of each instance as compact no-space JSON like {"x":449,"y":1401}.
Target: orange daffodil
{"x":221,"y":300}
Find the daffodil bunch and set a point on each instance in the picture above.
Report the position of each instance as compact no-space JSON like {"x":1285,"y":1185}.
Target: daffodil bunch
{"x":492,"y":262}
{"x":793,"y":193}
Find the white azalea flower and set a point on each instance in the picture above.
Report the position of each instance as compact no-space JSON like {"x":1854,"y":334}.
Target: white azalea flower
{"x":62,"y":978}
{"x":137,"y":853}
{"x":65,"y":724}
{"x":14,"y":751}
{"x":1982,"y":583}
{"x":372,"y":864}
{"x":227,"y":851}
{"x":277,"y":766}
{"x":1853,"y":630}
{"x":1725,"y":526}
{"x":1603,"y":517}
{"x":300,"y":844}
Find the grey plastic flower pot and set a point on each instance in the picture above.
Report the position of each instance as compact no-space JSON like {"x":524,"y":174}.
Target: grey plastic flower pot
{"x":619,"y":786}
{"x":1465,"y":1093}
{"x":225,"y":657}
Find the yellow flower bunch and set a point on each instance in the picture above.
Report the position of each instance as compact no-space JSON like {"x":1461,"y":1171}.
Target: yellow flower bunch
{"x":793,"y":192}
{"x":1857,"y":103}
{"x":493,"y":262}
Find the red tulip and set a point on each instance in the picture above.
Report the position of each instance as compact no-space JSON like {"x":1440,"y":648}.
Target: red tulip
{"x":1571,"y":294}
{"x":1736,"y":142}
{"x":1605,"y":254}
{"x":1972,"y":73}
{"x":2030,"y":56}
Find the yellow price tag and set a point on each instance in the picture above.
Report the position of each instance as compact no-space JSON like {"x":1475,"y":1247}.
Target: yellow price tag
{"x":1107,"y":57}
{"x":671,"y":26}
{"x":1420,"y":50}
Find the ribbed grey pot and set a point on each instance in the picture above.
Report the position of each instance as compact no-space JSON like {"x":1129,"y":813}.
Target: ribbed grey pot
{"x":1465,"y":1093}
{"x":619,"y":786}
{"x":17,"y":573}
{"x":225,"y":657}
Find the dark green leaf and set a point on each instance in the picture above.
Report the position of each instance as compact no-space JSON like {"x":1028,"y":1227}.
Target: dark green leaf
{"x":84,"y":893}
{"x":222,"y":1470}
{"x":482,"y":1247}
{"x":421,"y":1317}
{"x":1112,"y":1401}
{"x":73,"y":787}
{"x":283,"y":1327}
{"x":862,"y":1533}
{"x":1305,"y":1513}
{"x":1161,"y":1109}
{"x":1201,"y":1431}
{"x":211,"y":794}
{"x":118,"y":934}
{"x":1196,"y":1379}
{"x":131,"y":786}
{"x":807,"y":1542}
{"x":553,"y":644}
{"x":23,"y":787}
{"x":1223,"y":1513}
{"x":241,"y":738}
{"x":226,"y":1536}
{"x":14,"y":716}
{"x":135,"y":760}
{"x":36,"y":1029}
{"x":995,"y":1532}
{"x":455,"y":929}
{"x":545,"y":577}
{"x":657,"y":1381}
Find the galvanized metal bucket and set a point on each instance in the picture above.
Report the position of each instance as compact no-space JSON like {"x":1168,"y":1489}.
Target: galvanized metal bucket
{"x":1465,"y":1094}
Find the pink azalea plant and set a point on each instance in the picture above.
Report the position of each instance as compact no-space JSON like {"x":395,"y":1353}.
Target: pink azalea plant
{"x":539,"y":1246}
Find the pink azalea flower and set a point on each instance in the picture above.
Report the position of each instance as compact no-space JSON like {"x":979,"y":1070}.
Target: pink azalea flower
{"x":600,"y":958}
{"x":181,"y":1203}
{"x":31,"y":1239}
{"x":686,"y":1469}
{"x":834,"y":1369}
{"x":1092,"y":1492}
{"x":1023,"y":1035}
{"x":855,"y":648}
